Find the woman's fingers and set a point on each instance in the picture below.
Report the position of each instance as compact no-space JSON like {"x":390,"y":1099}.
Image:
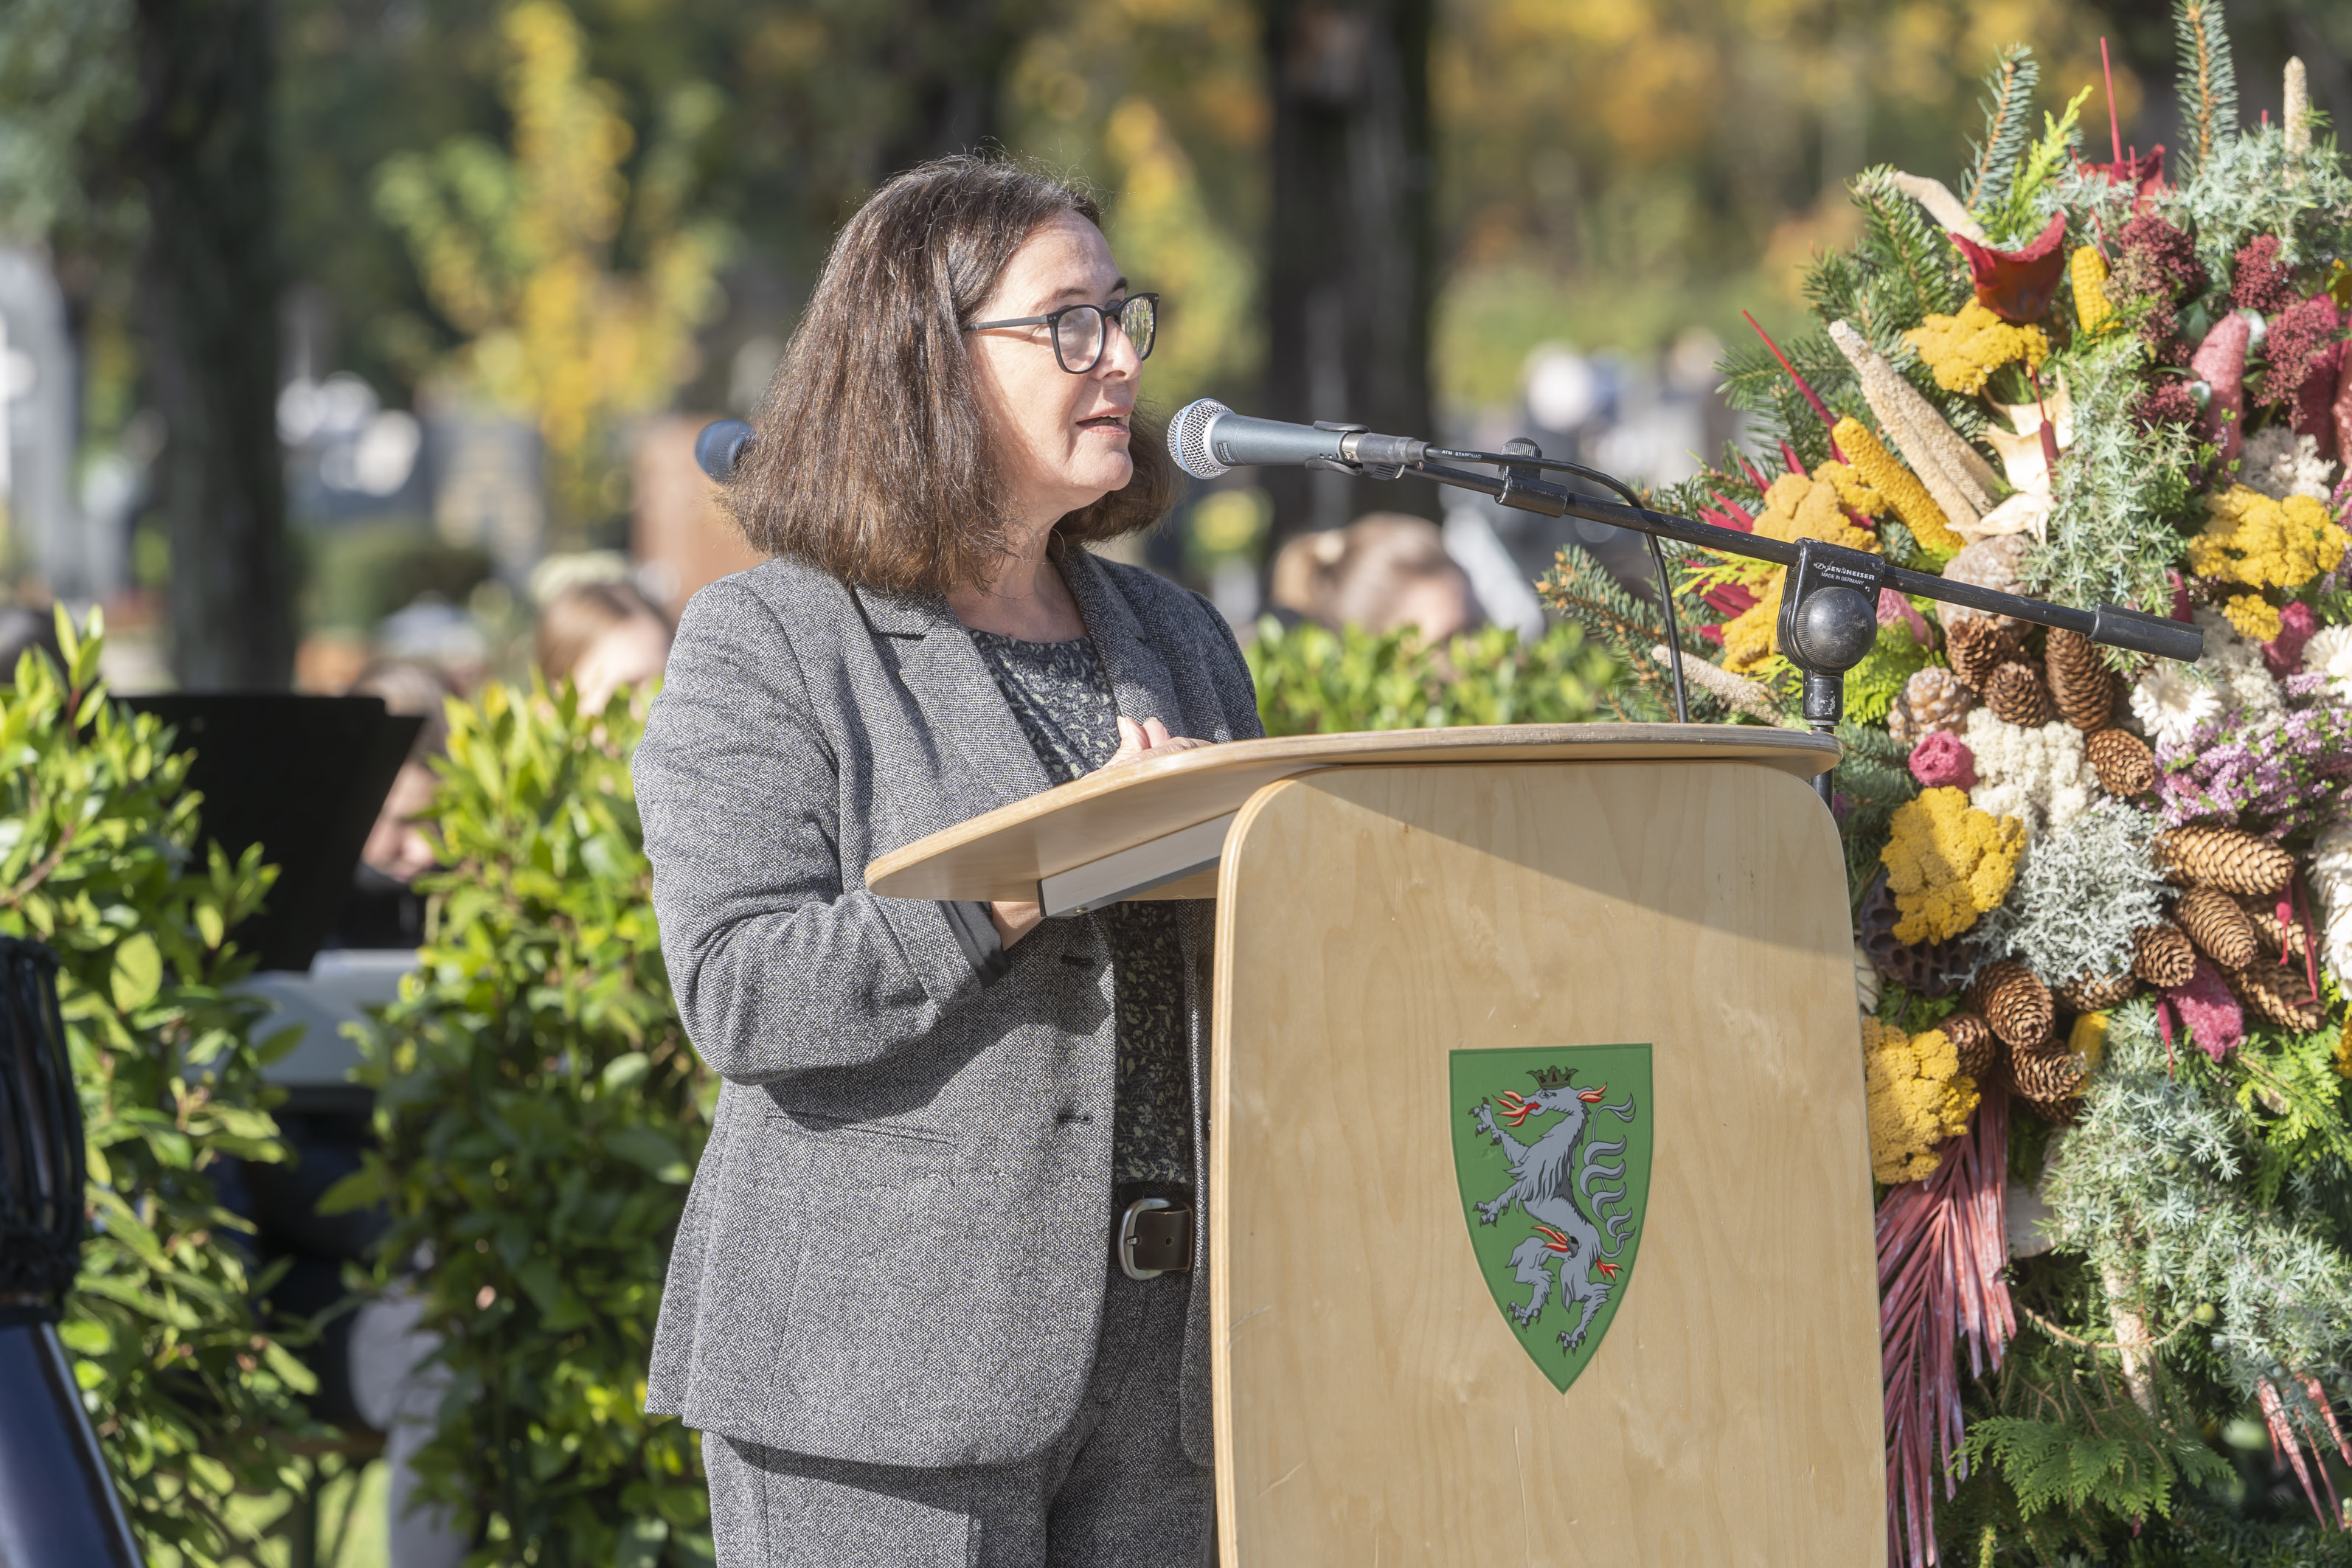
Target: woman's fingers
{"x":1148,"y":739}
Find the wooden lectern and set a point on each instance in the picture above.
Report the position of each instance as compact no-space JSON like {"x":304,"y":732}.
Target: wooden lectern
{"x":1539,"y":1223}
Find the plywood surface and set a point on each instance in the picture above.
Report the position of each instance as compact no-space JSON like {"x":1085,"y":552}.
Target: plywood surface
{"x":1002,"y":853}
{"x":1373,"y":1404}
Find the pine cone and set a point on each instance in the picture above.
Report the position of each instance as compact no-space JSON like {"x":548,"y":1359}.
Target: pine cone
{"x":2279,"y":993}
{"x":1936,"y":699}
{"x":1979,"y":1047}
{"x":2162,"y":956}
{"x":2233,"y":861}
{"x":1931,"y":969}
{"x":2046,"y":1076}
{"x":1977,"y":648}
{"x":2089,"y":994}
{"x":2215,"y":923}
{"x":2016,"y":695}
{"x":2289,"y":937}
{"x":1992,"y":562}
{"x":2080,"y":682}
{"x":2126,"y":767}
{"x":2015,"y":1003}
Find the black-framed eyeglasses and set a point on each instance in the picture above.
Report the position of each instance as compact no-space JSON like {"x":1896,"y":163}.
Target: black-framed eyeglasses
{"x":1080,"y":335}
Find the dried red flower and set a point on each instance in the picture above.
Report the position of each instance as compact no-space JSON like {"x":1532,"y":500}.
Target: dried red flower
{"x":2299,"y":336}
{"x":2154,"y":256}
{"x":2145,"y":170}
{"x":2257,"y":279}
{"x":2167,"y":403}
{"x":2018,"y":285}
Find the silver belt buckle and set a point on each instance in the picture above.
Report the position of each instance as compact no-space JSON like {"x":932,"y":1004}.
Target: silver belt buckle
{"x":1127,"y":1238}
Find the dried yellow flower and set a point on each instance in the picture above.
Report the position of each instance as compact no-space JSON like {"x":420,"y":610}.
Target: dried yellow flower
{"x":2089,"y":270}
{"x":1751,"y":636}
{"x":1902,"y":489}
{"x":1797,"y":507}
{"x":1919,"y":1099}
{"x":1858,"y":497}
{"x":1947,"y":863}
{"x":2264,"y":543}
{"x":2256,"y":618}
{"x":1963,"y":351}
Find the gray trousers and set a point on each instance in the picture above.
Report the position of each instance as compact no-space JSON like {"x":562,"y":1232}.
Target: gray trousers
{"x":1115,"y":1490}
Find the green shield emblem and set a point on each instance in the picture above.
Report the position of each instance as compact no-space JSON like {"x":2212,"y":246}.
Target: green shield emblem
{"x":1551,"y":1148}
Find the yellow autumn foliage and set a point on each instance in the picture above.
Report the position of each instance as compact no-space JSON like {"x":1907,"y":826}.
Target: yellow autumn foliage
{"x":1963,"y":351}
{"x":2252,"y":539}
{"x":1948,"y":863}
{"x":1919,"y":1099}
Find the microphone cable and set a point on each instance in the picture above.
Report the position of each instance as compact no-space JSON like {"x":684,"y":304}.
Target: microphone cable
{"x":1657,"y":556}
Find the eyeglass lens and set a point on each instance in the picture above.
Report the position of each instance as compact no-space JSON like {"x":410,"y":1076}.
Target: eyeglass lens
{"x":1078,"y":335}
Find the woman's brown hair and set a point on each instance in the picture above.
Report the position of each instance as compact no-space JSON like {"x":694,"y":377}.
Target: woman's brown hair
{"x":868,"y":459}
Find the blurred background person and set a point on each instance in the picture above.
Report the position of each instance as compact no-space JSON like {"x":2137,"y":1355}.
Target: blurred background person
{"x":600,"y":637}
{"x":1383,"y":571}
{"x":383,"y":910}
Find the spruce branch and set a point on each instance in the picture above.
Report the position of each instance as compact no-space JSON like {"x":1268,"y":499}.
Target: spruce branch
{"x":2007,"y":98}
{"x":2209,"y":81}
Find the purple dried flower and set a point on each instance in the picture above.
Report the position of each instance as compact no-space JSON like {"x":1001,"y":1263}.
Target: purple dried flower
{"x":2271,"y":773}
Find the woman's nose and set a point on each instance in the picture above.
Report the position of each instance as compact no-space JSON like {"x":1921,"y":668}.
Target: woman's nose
{"x":1119,"y":359}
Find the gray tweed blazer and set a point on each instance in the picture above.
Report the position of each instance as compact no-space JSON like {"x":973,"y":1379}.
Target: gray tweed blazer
{"x":895,"y":1248}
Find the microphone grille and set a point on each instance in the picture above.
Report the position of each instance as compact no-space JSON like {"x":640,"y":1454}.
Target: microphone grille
{"x":1188,"y":438}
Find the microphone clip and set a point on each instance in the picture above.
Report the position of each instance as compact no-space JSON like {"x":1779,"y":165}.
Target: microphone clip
{"x":1354,"y":470}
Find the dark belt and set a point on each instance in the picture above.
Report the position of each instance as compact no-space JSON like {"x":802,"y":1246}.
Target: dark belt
{"x":1153,"y":1232}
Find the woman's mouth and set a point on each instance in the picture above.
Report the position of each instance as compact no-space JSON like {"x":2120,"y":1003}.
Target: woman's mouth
{"x":1104,"y":422}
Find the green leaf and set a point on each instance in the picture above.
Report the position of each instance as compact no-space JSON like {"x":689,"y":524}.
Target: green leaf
{"x":652,"y":1152}
{"x":626,"y":1070}
{"x":138,"y":972}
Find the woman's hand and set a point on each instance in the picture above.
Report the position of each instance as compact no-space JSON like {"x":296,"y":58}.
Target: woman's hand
{"x":1148,"y":739}
{"x":1136,"y":741}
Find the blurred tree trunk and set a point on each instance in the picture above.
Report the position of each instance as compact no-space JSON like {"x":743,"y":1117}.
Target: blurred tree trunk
{"x":949,"y":58}
{"x":1349,"y":284}
{"x":208,"y":295}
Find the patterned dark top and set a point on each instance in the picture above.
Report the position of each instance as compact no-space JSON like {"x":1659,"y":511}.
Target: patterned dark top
{"x":1063,"y":701}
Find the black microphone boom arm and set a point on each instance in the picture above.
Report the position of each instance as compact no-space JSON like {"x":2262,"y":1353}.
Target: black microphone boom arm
{"x":1829,"y":606}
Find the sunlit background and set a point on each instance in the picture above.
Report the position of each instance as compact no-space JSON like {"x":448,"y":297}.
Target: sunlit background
{"x":467,"y":277}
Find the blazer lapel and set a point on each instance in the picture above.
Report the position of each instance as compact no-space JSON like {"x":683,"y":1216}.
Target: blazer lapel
{"x":1139,"y":675}
{"x":983,"y":759}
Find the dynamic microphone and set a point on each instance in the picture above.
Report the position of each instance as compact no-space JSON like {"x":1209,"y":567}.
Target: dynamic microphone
{"x":1206,"y":438}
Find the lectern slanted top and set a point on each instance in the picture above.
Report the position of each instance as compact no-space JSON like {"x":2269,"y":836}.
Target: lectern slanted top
{"x":1539,"y":1222}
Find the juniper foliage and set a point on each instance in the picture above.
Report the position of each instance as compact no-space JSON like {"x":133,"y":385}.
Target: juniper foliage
{"x":2113,"y":537}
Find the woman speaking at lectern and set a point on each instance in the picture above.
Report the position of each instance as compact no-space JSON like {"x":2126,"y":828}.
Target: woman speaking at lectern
{"x":896,"y":1309}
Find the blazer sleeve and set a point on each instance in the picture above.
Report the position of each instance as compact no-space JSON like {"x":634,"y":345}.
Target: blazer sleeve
{"x":776,"y":968}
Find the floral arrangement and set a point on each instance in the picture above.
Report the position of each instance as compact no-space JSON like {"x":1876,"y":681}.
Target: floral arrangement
{"x":2104,"y":904}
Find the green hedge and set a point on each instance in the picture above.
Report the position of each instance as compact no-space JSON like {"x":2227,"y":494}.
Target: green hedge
{"x":1311,"y":681}
{"x":541,"y":1113}
{"x":101,"y":858}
